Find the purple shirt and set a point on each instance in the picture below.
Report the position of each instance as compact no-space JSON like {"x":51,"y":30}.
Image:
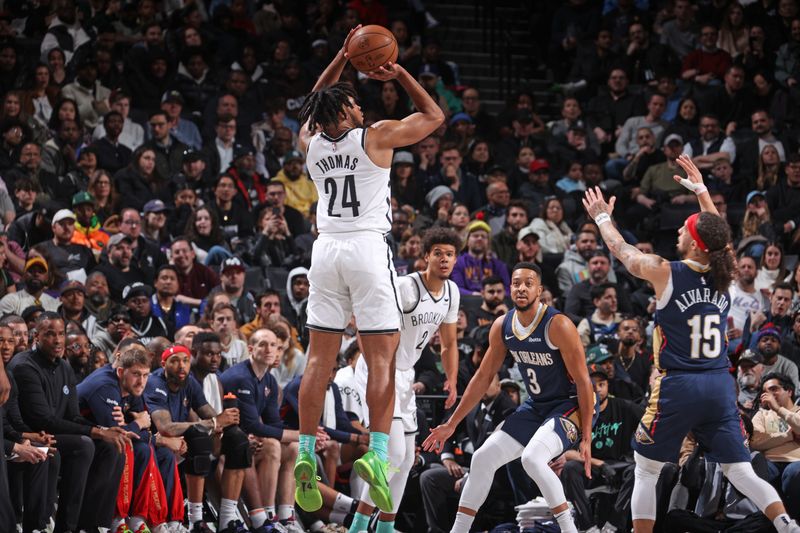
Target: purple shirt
{"x":470,"y":271}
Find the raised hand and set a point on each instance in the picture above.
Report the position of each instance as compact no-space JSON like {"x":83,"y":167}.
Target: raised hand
{"x":595,"y":204}
{"x":347,"y":40}
{"x":387,"y":72}
{"x":437,"y":438}
{"x":694,"y":179}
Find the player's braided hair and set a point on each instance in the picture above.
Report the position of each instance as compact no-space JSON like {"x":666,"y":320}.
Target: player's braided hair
{"x":716,"y":233}
{"x":322,"y":107}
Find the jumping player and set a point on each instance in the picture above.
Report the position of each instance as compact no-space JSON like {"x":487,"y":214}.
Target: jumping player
{"x":429,"y":301}
{"x":694,"y":391}
{"x":546,"y":346}
{"x":351,"y":264}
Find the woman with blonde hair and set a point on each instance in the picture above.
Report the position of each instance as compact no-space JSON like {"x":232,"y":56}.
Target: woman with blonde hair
{"x":292,"y":361}
{"x":770,"y":168}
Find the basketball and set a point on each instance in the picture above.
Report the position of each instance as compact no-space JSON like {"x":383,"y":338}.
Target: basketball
{"x":371,"y":47}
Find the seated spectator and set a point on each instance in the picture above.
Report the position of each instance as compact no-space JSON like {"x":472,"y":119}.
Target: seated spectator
{"x":91,"y":96}
{"x":731,"y":102}
{"x":167,"y":149}
{"x":234,"y":218}
{"x":768,"y":347}
{"x":646,"y":156}
{"x":578,"y":303}
{"x":119,"y":270}
{"x":88,"y":232}
{"x":748,"y":380}
{"x":70,"y":259}
{"x":146,"y":254}
{"x":770,"y":168}
{"x":554,"y":233}
{"x":132,"y":135}
{"x":613,"y":105}
{"x":658,"y":184}
{"x":537,"y":187}
{"x":144,"y":324}
{"x":790,"y":345}
{"x":771,"y":270}
{"x":300,"y":190}
{"x":117,"y":327}
{"x":196,"y":280}
{"x":528,"y":248}
{"x":35,"y":279}
{"x":101,"y":187}
{"x":707,"y":64}
{"x":604,"y":322}
{"x":268,"y":305}
{"x":493,"y":295}
{"x":478,"y":261}
{"x":291,"y":361}
{"x":72,"y":295}
{"x":224,"y":322}
{"x":620,"y":384}
{"x":626,"y":146}
{"x":112,"y":155}
{"x":505,"y":239}
{"x":494,"y":213}
{"x":462,"y":184}
{"x":574,"y":267}
{"x":774,"y":428}
{"x":207,"y":237}
{"x":752,"y":149}
{"x":139,"y":182}
{"x":183,"y":130}
{"x":711,"y":145}
{"x":164,"y":303}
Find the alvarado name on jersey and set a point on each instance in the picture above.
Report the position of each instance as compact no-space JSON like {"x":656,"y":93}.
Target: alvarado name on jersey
{"x":706,"y":295}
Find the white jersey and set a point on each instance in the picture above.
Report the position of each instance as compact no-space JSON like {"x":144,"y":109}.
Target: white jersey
{"x":354,"y":193}
{"x":422,"y":316}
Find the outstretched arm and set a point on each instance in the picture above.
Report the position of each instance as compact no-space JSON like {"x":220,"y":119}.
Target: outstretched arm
{"x":694,"y":182}
{"x":649,"y":267}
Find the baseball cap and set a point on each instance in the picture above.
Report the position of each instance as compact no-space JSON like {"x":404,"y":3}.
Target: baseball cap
{"x":429,"y":70}
{"x":136,"y":289}
{"x":525,"y":232}
{"x":82,"y":197}
{"x":508,"y":382}
{"x":232,"y":263}
{"x":174,"y":350}
{"x":578,"y":126}
{"x":403,"y":158}
{"x":155,"y":206}
{"x":461,"y":117}
{"x":538,"y":164}
{"x":597,"y":354}
{"x":291,"y":155}
{"x":71,"y":285}
{"x":172,"y":96}
{"x":242,"y":149}
{"x":190,"y":155}
{"x":319,"y":42}
{"x":476,"y":225}
{"x":673,"y":137}
{"x":118,"y":238}
{"x":63,"y":214}
{"x":36,"y":261}
{"x":749,"y":356}
{"x":753,"y":194}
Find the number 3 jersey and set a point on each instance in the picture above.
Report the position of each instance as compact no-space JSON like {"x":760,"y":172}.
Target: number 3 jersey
{"x":422,"y":316}
{"x":691,"y":321}
{"x":354,"y":193}
{"x":539,"y":361}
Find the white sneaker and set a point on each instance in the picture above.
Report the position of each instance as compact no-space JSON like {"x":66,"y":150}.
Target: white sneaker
{"x":608,"y":528}
{"x":593,"y":529}
{"x":293,"y":527}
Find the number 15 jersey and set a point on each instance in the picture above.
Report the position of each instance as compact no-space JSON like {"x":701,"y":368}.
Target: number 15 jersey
{"x":691,"y":321}
{"x":354,"y":193}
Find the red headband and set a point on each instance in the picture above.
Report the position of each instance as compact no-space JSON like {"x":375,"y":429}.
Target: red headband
{"x":172,"y":350}
{"x":691,"y":225}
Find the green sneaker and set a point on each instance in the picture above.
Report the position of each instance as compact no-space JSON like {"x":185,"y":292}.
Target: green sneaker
{"x":373,"y":471}
{"x":306,"y":492}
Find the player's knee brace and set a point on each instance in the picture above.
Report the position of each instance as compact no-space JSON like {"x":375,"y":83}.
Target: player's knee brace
{"x":199,"y":449}
{"x":236,"y":449}
{"x":745,"y":480}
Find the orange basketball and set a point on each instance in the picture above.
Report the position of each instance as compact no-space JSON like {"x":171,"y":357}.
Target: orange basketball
{"x":371,"y":47}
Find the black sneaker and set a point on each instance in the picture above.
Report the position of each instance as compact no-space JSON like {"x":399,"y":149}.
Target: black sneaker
{"x":200,"y":527}
{"x":235,"y":526}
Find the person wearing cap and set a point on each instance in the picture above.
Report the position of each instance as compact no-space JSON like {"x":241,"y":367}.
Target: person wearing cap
{"x":169,"y":150}
{"x":691,"y":343}
{"x":181,"y":129}
{"x":111,"y":154}
{"x":478,"y":261}
{"x":132,"y":134}
{"x":144,"y":325}
{"x":512,"y":389}
{"x":35,"y":279}
{"x":92,"y":97}
{"x":117,"y":327}
{"x":88,"y":230}
{"x":748,"y":378}
{"x":120,"y":271}
{"x":528,"y":248}
{"x":71,"y":259}
{"x":251,"y":187}
{"x":537,"y":186}
{"x":404,"y":183}
{"x":300,"y":190}
{"x":611,"y":459}
{"x":768,"y":345}
{"x":620,"y":384}
{"x":504,"y":241}
{"x":172,"y":392}
{"x":231,"y":275}
{"x":164,"y":304}
{"x":72,"y":295}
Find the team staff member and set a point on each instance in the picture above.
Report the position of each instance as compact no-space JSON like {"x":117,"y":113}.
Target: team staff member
{"x":170,"y":395}
{"x":91,"y":456}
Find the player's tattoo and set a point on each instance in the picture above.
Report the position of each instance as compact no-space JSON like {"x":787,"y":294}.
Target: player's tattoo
{"x":636,"y":261}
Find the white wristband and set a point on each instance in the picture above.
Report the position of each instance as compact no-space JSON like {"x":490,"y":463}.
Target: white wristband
{"x":697,"y":188}
{"x":602,"y":218}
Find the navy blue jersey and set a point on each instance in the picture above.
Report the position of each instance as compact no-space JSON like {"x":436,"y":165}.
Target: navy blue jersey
{"x":540,"y":363}
{"x":258,"y":400}
{"x":158,"y":396}
{"x":691,"y":321}
{"x":99,"y":393}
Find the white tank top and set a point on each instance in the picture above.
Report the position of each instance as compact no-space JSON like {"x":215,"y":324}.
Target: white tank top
{"x":422,"y":316}
{"x":354,"y":193}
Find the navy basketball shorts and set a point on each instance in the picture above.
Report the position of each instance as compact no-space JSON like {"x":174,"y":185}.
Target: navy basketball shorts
{"x":701,"y":402}
{"x":530,"y":416}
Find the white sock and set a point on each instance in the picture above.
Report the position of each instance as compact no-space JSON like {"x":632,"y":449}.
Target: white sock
{"x":784,"y":524}
{"x":285,"y":512}
{"x":317,"y":526}
{"x":270,"y":510}
{"x":343,"y":503}
{"x":463,"y":523}
{"x":227,"y":512}
{"x":195,"y":513}
{"x":338,"y":517}
{"x":116,"y":522}
{"x":258,"y":517}
{"x":135,"y":522}
{"x":565,"y":522}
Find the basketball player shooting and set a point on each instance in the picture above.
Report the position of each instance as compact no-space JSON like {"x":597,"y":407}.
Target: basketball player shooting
{"x":351,"y":263}
{"x":694,"y":390}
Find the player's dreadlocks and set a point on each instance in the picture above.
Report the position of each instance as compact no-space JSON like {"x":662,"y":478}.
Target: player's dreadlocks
{"x":716,"y":233}
{"x":322,"y":107}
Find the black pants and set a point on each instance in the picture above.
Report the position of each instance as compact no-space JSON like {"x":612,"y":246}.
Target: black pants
{"x":575,"y":484}
{"x":34,"y":486}
{"x":90,"y":476}
{"x":8,"y":521}
{"x":439,"y":498}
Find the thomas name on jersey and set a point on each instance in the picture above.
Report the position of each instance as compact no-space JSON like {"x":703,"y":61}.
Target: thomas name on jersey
{"x":420,"y":319}
{"x":696,"y":296}
{"x":333,"y":162}
{"x":532,"y":358}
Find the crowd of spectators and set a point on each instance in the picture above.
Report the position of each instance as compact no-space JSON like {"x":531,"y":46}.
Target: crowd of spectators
{"x":152,"y":198}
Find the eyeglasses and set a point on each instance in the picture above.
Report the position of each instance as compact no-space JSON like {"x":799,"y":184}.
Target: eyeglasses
{"x":119,"y":319}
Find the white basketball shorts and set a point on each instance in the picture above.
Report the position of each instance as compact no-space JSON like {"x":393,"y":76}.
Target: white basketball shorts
{"x":405,"y":401}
